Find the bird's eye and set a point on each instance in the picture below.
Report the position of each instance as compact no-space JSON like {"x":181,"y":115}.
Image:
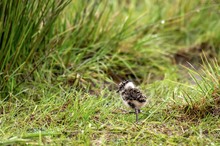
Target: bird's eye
{"x":121,"y":87}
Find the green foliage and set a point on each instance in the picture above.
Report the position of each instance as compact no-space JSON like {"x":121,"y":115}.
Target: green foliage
{"x":61,"y":60}
{"x":26,"y":31}
{"x":203,"y":99}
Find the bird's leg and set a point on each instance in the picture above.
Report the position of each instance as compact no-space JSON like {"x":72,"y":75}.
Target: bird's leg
{"x":136,"y":112}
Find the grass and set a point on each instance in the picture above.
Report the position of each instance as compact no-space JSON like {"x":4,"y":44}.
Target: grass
{"x":61,"y":62}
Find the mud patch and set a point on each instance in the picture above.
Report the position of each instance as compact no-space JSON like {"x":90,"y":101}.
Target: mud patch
{"x":192,"y":58}
{"x":193,"y":55}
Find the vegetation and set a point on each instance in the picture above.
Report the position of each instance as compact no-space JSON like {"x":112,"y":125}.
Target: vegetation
{"x":61,"y":61}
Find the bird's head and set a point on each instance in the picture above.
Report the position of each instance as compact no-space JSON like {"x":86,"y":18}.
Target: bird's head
{"x":125,"y":85}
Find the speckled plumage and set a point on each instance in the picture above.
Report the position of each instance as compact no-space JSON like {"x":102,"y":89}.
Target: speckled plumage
{"x":132,"y":96}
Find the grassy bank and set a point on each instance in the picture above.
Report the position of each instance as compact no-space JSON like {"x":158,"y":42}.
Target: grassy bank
{"x":61,"y":62}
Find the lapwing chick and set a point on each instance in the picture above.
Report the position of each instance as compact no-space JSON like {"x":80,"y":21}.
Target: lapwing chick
{"x":132,"y":96}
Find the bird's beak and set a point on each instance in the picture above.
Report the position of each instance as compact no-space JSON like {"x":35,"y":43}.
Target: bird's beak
{"x":117,"y":91}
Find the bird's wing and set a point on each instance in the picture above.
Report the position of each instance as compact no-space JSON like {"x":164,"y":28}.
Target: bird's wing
{"x":134,"y":94}
{"x":137,"y":95}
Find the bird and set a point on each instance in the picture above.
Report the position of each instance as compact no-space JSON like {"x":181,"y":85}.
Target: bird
{"x":131,"y":96}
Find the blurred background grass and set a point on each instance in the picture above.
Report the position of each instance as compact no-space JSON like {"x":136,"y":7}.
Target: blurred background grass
{"x":54,"y":52}
{"x":94,"y":41}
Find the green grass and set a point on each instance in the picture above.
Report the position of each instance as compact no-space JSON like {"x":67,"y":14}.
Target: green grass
{"x":61,"y":62}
